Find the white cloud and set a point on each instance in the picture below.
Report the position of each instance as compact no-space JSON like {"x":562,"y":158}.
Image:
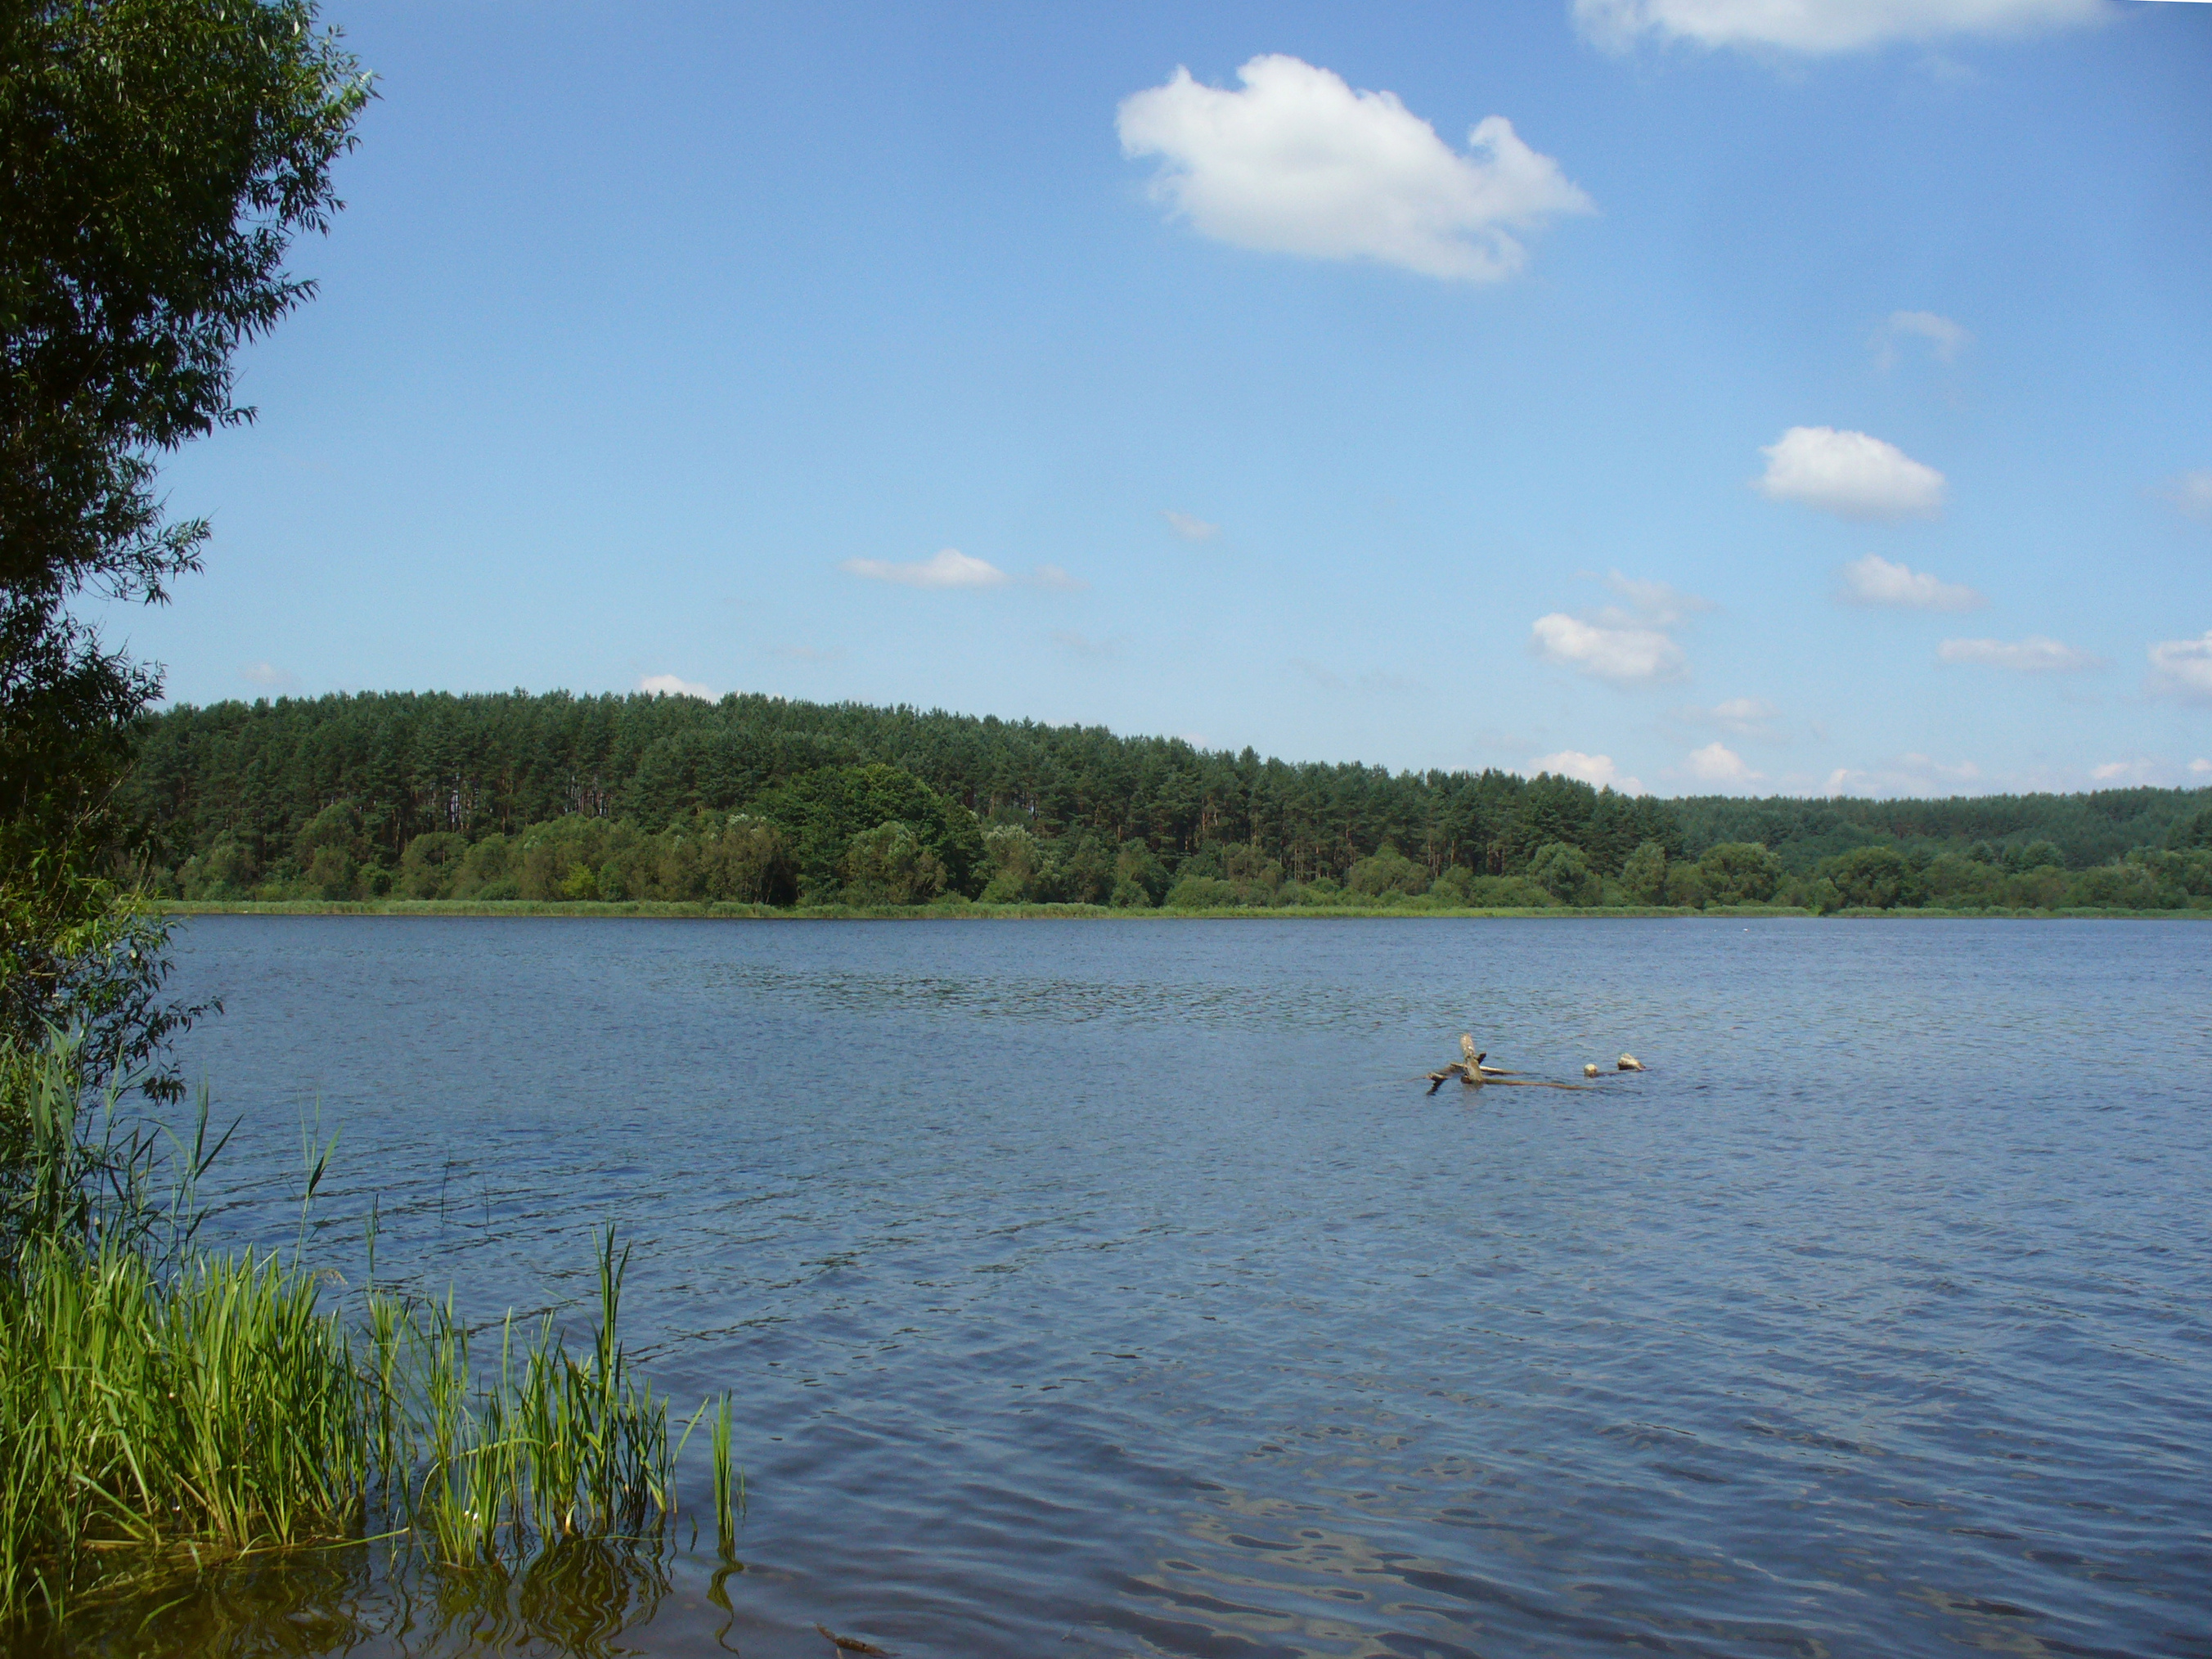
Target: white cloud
{"x":949,"y":568}
{"x":1052,"y":577}
{"x":1850,"y":475}
{"x":1624,"y":643}
{"x":1718,"y":763}
{"x":1595,"y":770}
{"x":1624,"y":655}
{"x":1820,"y":26}
{"x":269,"y":677}
{"x":1190,"y":529}
{"x":1875,"y":580}
{"x":2183,"y":668}
{"x":2191,"y":493}
{"x":1946,"y":338}
{"x":1298,"y":162}
{"x":1909,"y":775}
{"x":2134,"y":771}
{"x":2201,"y":768}
{"x":2033,"y":655}
{"x":668,"y":685}
{"x":1650,"y":605}
{"x":1746,"y":717}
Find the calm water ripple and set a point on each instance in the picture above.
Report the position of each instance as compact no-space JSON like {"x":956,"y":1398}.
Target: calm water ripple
{"x":1113,"y":1288}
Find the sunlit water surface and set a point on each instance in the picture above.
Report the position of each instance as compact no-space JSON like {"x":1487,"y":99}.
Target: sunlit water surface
{"x":1113,"y":1288}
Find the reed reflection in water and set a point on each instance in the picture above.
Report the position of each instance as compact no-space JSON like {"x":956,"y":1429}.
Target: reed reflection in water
{"x":590,"y":1597}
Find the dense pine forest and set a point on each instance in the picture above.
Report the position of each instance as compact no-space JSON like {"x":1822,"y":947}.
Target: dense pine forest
{"x":755,"y":800}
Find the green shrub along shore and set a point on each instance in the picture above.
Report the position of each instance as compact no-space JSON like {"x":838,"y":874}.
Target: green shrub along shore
{"x":165,"y":1410}
{"x":757,"y":801}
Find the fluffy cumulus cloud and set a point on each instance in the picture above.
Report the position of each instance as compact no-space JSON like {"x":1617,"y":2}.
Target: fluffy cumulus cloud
{"x":1626,"y":656}
{"x":1627,"y":644}
{"x":1718,"y":763}
{"x":670,"y":685}
{"x":1295,"y":161}
{"x":269,"y":677}
{"x":2200,"y":767}
{"x":2033,"y":655}
{"x":1876,"y":581}
{"x":2183,"y":668}
{"x":1946,"y":339}
{"x":1190,"y":528}
{"x":1594,"y":769}
{"x":2191,"y":493}
{"x":1817,"y":27}
{"x":1849,"y":474}
{"x":948,"y":568}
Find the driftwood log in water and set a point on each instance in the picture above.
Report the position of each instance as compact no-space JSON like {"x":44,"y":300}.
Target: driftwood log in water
{"x":1470,"y":1071}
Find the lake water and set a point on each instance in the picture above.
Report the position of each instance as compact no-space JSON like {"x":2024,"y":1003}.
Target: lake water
{"x":1099,"y":1288}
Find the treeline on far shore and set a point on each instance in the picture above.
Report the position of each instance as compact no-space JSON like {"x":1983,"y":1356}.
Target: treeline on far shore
{"x":757,"y":800}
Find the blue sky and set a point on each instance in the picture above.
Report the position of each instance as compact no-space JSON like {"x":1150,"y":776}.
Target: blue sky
{"x":1786,"y":396}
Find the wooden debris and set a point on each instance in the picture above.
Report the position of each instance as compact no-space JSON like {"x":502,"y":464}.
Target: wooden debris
{"x":1470,"y":1071}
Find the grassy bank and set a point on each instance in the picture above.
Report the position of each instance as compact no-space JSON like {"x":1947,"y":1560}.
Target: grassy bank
{"x":165,"y":1409}
{"x":964,"y":911}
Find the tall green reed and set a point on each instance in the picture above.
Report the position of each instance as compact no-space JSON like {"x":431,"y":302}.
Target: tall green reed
{"x":159,"y":1403}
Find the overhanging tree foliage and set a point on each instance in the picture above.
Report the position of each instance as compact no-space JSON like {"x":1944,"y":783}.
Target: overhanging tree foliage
{"x":157,"y":157}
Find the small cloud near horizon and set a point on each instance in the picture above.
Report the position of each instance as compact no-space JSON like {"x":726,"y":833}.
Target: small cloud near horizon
{"x":1294,"y":160}
{"x":1190,"y":528}
{"x":1876,"y":581}
{"x":2131,"y":771}
{"x":1596,"y":770}
{"x":670,"y":685}
{"x":269,"y":677}
{"x":2033,"y":655}
{"x":1909,"y":776}
{"x":1718,"y":763}
{"x":1851,"y":474}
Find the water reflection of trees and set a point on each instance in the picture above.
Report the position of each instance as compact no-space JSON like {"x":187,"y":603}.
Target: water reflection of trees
{"x":580,"y":1596}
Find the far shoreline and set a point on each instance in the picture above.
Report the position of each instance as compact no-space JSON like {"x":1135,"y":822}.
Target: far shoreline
{"x":659,"y":910}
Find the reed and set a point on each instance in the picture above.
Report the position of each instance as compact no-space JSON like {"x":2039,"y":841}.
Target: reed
{"x":163,"y":1405}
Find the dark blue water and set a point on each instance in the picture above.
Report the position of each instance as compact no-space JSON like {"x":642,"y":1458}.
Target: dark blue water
{"x":1113,"y":1288}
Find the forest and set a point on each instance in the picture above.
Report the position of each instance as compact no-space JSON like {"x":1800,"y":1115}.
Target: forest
{"x":761,"y":800}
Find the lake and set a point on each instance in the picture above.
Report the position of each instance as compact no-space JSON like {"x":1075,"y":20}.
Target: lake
{"x":1114,"y":1287}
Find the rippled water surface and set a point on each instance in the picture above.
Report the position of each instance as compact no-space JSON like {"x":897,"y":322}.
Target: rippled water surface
{"x":1113,"y":1288}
